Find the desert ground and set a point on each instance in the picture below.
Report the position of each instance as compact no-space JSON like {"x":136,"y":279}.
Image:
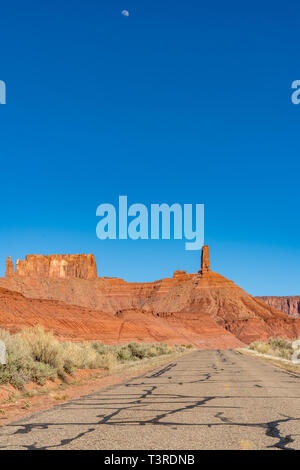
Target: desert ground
{"x":204,"y":400}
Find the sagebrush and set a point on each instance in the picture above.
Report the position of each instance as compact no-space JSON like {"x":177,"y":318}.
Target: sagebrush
{"x":36,"y":355}
{"x":277,"y":347}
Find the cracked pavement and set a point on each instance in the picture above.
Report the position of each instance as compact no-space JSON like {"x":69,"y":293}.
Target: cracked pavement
{"x":203,"y":400}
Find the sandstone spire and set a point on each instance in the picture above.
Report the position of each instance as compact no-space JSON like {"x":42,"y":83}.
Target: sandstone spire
{"x":205,"y":263}
{"x":9,"y":267}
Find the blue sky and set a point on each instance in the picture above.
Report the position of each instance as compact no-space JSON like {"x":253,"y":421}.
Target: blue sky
{"x":185,"y":102}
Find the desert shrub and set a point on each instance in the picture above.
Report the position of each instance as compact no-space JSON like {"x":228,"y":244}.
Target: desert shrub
{"x":40,"y":373}
{"x":108,"y":360}
{"x":142,"y":350}
{"x":281,"y":347}
{"x":79,"y":356}
{"x":43,"y":346}
{"x":260,"y":347}
{"x":137,"y":350}
{"x":278,"y":347}
{"x":152,"y":351}
{"x":5,"y":336}
{"x":101,"y":348}
{"x":36,"y":355}
{"x":21,"y":366}
{"x":124,"y":353}
{"x":279,"y":343}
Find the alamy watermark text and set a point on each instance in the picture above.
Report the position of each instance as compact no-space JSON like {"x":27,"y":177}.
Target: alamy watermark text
{"x":2,"y":92}
{"x":161,"y":222}
{"x":296,"y":93}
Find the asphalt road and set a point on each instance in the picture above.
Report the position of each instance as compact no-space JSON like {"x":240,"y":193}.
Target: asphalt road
{"x":204,"y":400}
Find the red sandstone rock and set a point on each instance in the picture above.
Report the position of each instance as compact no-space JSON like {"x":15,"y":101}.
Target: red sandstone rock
{"x":289,"y":305}
{"x":58,"y":267}
{"x":207,"y":310}
{"x":179,"y":273}
{"x":205,"y":262}
{"x":9,"y":267}
{"x":70,"y":322}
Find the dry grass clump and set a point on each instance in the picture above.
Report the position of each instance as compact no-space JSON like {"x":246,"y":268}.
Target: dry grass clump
{"x":21,"y":366}
{"x":37,"y":356}
{"x":277,"y":347}
{"x":138,"y":351}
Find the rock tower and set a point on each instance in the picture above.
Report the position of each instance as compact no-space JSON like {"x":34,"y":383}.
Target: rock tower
{"x":205,"y":263}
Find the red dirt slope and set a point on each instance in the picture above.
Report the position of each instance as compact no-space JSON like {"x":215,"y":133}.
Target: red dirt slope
{"x":71,"y":322}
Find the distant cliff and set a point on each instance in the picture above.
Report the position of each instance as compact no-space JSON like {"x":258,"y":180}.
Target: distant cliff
{"x":289,"y":305}
{"x":54,"y":267}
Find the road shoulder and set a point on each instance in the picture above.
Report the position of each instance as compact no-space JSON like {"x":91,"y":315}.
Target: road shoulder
{"x":275,"y":361}
{"x":23,"y":404}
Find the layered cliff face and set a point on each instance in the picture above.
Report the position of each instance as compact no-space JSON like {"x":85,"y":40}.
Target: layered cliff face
{"x":70,"y":322}
{"x":289,"y":305}
{"x":207,"y":309}
{"x":54,"y":267}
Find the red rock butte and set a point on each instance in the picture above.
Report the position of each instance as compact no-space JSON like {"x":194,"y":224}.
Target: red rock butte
{"x":54,"y":267}
{"x":64,"y":294}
